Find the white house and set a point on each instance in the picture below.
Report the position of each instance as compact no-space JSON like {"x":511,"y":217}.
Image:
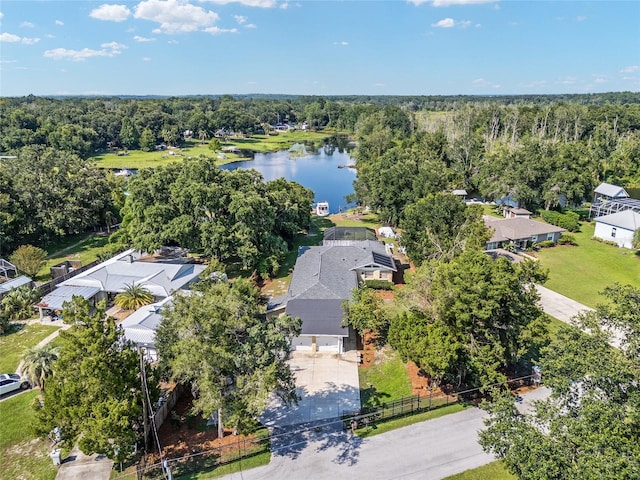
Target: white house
{"x":140,"y":327}
{"x":618,"y":227}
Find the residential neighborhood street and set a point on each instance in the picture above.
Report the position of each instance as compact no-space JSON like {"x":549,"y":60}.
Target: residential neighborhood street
{"x":429,"y":450}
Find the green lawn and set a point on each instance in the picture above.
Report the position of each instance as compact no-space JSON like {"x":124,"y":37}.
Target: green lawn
{"x":17,"y":341}
{"x":490,"y":471}
{"x":385,"y":380}
{"x":238,"y":466}
{"x":84,"y":247}
{"x":582,"y":272}
{"x":21,"y":455}
{"x":192,"y":148}
{"x":388,"y":425}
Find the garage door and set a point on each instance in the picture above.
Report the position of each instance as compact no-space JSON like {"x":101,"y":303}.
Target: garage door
{"x":301,"y":344}
{"x":328,"y":344}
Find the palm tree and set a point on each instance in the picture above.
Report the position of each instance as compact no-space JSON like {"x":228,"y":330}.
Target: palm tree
{"x":133,"y":297}
{"x":37,"y":364}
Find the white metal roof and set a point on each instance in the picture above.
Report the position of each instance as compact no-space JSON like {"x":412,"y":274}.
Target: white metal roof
{"x":627,"y":219}
{"x":613,"y":191}
{"x":56,"y":298}
{"x":14,"y":283}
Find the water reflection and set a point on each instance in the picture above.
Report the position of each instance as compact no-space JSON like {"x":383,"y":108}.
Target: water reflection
{"x":323,"y":170}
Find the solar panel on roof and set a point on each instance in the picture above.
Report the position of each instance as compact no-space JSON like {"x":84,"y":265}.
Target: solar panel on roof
{"x":382,"y":260}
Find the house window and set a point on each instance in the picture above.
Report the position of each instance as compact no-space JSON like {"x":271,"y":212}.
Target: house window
{"x":613,"y":232}
{"x":550,"y":236}
{"x":534,"y":238}
{"x":367,"y":274}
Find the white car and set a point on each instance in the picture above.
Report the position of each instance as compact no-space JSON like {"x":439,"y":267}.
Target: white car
{"x":12,"y":381}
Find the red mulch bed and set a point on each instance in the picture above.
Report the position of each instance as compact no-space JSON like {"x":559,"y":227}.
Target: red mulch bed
{"x":191,"y":436}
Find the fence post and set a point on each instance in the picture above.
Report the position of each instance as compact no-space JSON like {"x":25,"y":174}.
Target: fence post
{"x":430,"y":397}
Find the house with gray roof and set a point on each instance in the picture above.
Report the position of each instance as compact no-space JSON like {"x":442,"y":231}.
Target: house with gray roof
{"x":523,"y":232}
{"x":7,"y":286}
{"x":609,"y":199}
{"x":618,"y":227}
{"x":323,"y":277}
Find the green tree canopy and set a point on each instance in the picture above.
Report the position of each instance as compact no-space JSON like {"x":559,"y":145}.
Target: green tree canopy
{"x":475,"y":319}
{"x":133,"y":297}
{"x":590,"y":426}
{"x":441,"y":226}
{"x":365,"y":311}
{"x":29,"y":259}
{"x":218,"y":340}
{"x":95,"y":394}
{"x":231,"y":215}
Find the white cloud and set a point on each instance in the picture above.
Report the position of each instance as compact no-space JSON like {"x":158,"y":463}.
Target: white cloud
{"x":59,"y":22}
{"x":146,"y":59}
{"x":108,"y":50}
{"x":568,"y":81}
{"x":630,"y":69}
{"x":11,"y":38}
{"x":464,"y":23}
{"x":173,"y":42}
{"x":342,"y":43}
{"x":27,"y":25}
{"x":481,"y":82}
{"x":175,"y":16}
{"x":581,"y":18}
{"x":219,"y":31}
{"x":111,"y":13}
{"x":1,"y":15}
{"x":138,"y":38}
{"x":248,"y":3}
{"x":250,"y":25}
{"x":447,"y":3}
{"x":379,"y":85}
{"x":240,"y":19}
{"x":445,"y":23}
{"x":48,"y":35}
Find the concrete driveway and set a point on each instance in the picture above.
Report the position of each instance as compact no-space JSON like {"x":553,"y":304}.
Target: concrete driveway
{"x":327,"y":384}
{"x":559,"y":306}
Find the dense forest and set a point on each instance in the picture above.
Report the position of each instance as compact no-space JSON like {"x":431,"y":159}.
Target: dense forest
{"x":541,"y":151}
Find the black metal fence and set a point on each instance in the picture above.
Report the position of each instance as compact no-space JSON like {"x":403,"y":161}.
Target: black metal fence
{"x":199,"y":461}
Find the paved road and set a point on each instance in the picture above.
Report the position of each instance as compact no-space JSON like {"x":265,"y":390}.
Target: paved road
{"x":429,"y":450}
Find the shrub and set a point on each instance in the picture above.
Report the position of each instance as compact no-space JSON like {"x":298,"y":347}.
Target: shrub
{"x":606,"y":242}
{"x":378,"y":284}
{"x":566,"y":239}
{"x":28,"y":259}
{"x":17,"y":304}
{"x":546,"y":244}
{"x":569,"y":221}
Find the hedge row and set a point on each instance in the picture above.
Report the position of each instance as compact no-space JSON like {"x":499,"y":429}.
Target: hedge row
{"x":568,"y":221}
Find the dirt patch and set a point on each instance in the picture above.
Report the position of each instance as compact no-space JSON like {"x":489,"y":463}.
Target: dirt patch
{"x":419,"y":380}
{"x":183,"y":434}
{"x":368,"y":349}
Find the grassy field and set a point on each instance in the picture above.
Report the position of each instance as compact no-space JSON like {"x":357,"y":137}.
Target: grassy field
{"x":17,"y":341}
{"x":84,"y":247}
{"x":22,"y":456}
{"x":137,"y":159}
{"x":385,"y":380}
{"x":582,"y":272}
{"x":490,"y":471}
{"x":238,"y":466}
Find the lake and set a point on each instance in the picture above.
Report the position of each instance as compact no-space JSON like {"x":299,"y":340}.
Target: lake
{"x":317,"y":170}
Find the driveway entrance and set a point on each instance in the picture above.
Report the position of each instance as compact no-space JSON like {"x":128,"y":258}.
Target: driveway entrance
{"x":327,"y":384}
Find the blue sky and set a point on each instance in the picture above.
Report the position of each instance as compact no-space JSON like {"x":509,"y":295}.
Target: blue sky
{"x":304,"y":47}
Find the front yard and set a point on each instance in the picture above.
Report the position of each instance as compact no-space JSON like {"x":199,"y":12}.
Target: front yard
{"x":583,"y":271}
{"x":21,"y":455}
{"x":20,"y":338}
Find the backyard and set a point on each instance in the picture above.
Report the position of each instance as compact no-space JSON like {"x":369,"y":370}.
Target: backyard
{"x":20,"y":337}
{"x":582,"y":272}
{"x":84,"y":247}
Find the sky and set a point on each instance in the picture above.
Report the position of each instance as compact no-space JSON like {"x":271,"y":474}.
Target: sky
{"x":313,"y":47}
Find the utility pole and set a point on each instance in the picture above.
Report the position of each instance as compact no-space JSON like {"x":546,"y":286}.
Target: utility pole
{"x":145,"y":408}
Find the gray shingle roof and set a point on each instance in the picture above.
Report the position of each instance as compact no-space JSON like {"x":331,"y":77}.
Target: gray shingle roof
{"x":518,"y":228}
{"x":319,"y":317}
{"x":627,"y":219}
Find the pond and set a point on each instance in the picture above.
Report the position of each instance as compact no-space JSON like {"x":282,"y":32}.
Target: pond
{"x":324,"y":170}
